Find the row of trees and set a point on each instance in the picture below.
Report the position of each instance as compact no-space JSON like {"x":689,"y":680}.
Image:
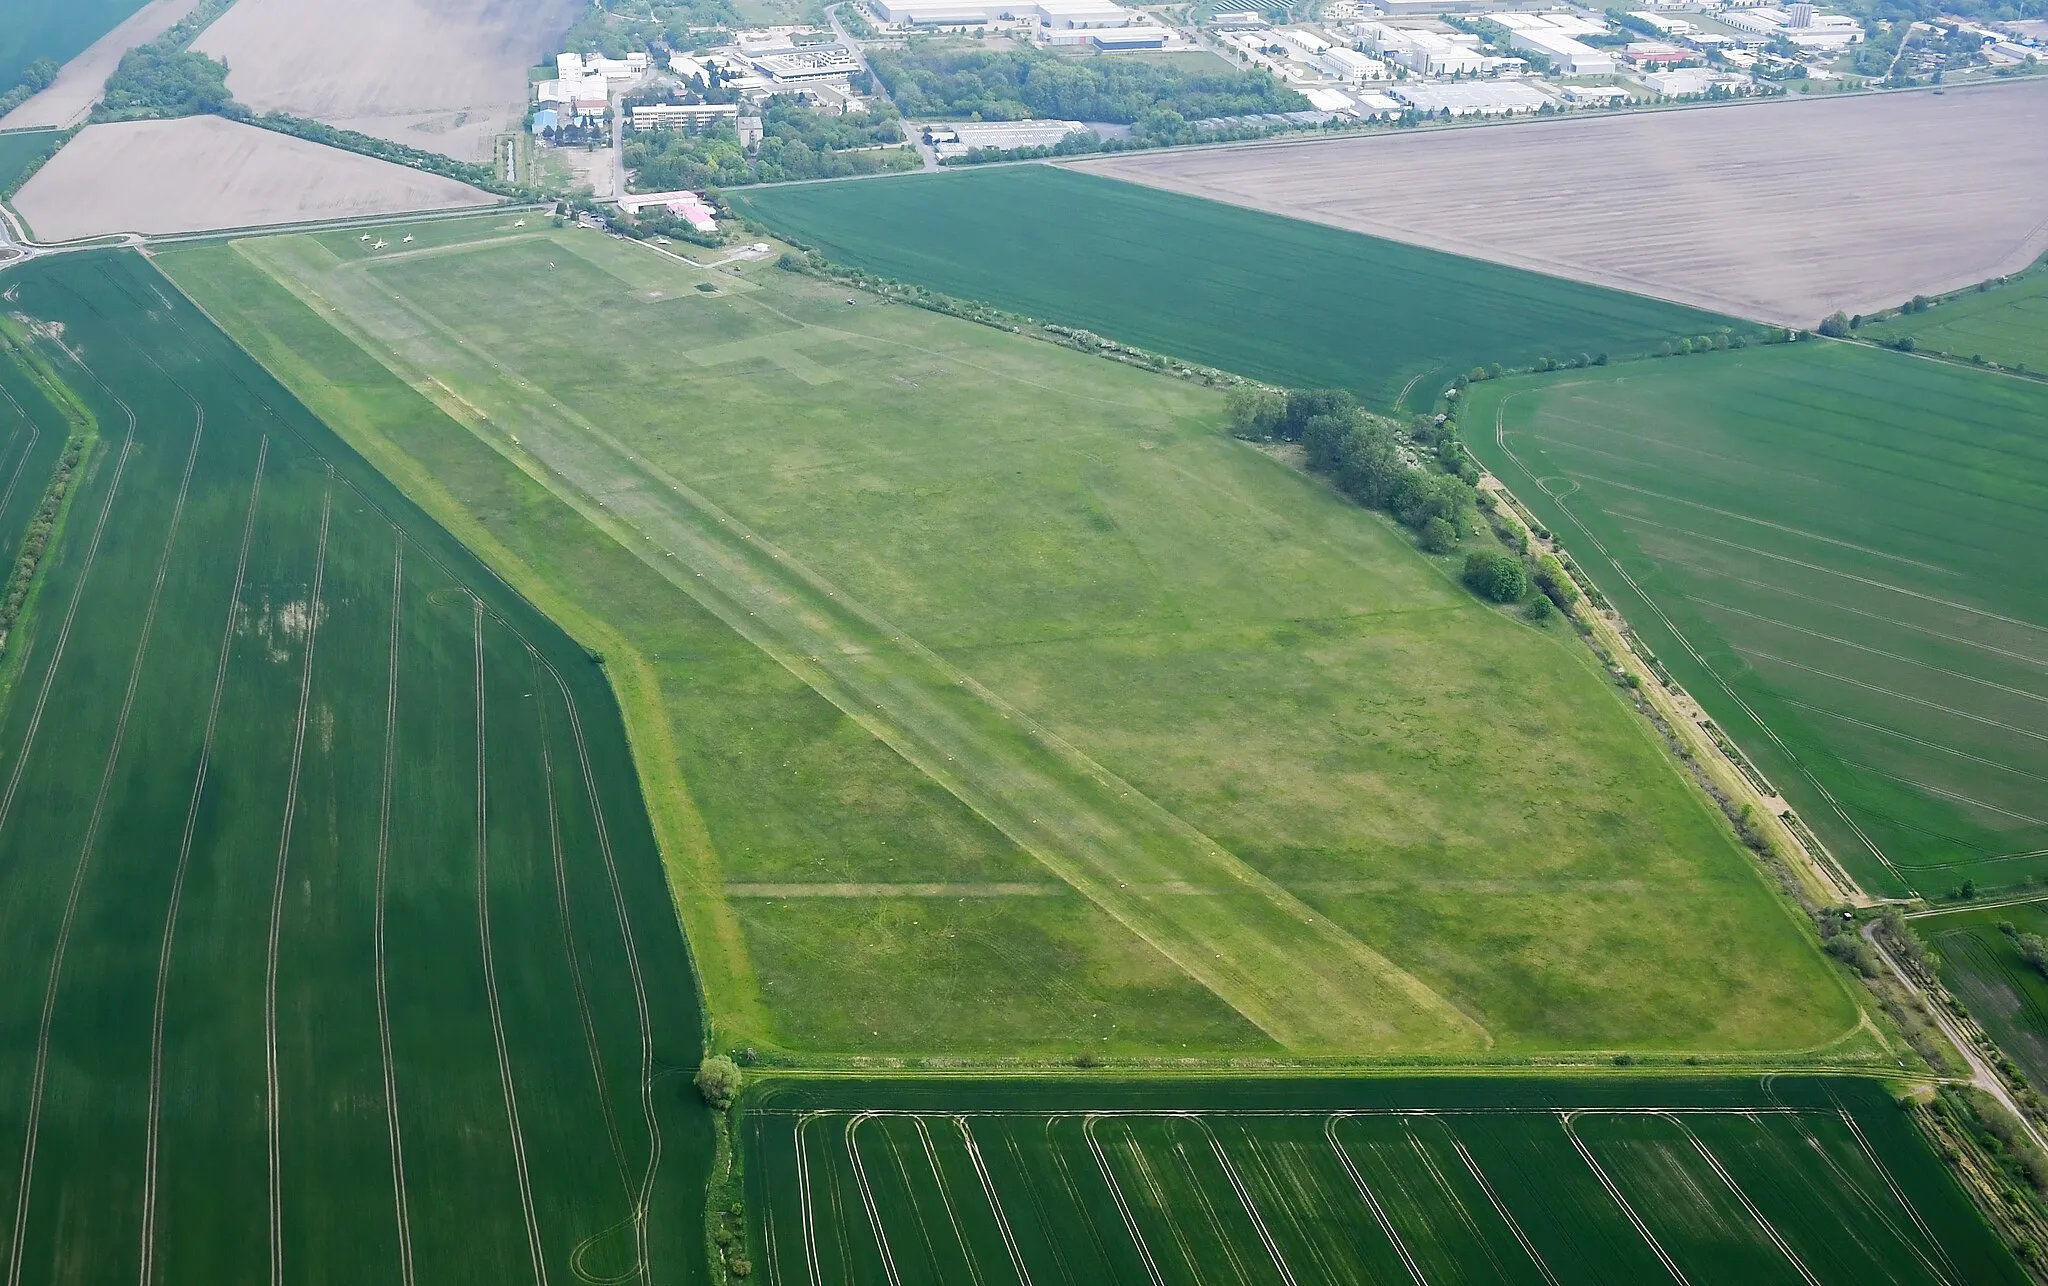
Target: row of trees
{"x":1025,"y":84}
{"x":35,"y":78}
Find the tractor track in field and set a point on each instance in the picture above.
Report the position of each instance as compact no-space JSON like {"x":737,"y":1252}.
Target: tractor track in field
{"x":273,"y":1103}
{"x":147,"y":1272}
{"x":1769,"y":1229}
{"x":1116,"y":1193}
{"x":995,"y":1205}
{"x":573,"y":956}
{"x":401,"y":1213}
{"x":506,"y":1084}
{"x":35,"y":435}
{"x":1244,"y":1198}
{"x":1614,"y":1193}
{"x":39,"y":1076}
{"x":1379,"y":1214}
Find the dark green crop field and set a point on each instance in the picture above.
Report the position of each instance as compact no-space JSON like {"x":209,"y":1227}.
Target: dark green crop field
{"x":337,"y":943}
{"x":56,"y":31}
{"x":1981,"y":964}
{"x":1279,"y":300}
{"x":2005,"y":324}
{"x":20,"y":149}
{"x":1829,"y":546}
{"x":1398,"y":1181}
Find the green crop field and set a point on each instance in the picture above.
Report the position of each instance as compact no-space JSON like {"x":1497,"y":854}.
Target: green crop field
{"x":1292,"y":303}
{"x":993,"y":703}
{"x":1824,"y":543}
{"x":336,"y":937}
{"x":2006,"y":324}
{"x":1419,"y":1181}
{"x":20,"y":149}
{"x":1981,"y":965}
{"x":58,"y":32}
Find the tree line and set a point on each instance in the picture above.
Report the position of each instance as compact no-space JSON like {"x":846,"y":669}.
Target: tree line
{"x":35,"y":78}
{"x":1028,"y":84}
{"x":1421,"y":475}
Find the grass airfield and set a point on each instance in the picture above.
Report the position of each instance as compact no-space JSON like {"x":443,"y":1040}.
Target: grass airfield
{"x":991,"y":702}
{"x":1819,"y":541}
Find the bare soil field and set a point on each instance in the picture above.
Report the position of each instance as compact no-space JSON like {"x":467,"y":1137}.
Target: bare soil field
{"x":78,"y":86}
{"x":445,"y":75}
{"x":1780,"y":211}
{"x":202,"y":173}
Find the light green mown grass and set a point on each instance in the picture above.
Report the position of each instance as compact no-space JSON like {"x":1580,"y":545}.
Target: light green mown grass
{"x":2006,"y":324}
{"x":244,"y":635}
{"x":1239,"y":715}
{"x":1825,"y":534}
{"x":1505,"y":1181}
{"x":1293,"y":303}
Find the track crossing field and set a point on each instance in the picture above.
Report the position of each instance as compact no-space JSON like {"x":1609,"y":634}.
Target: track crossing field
{"x":1002,"y":705}
{"x":1292,"y":303}
{"x":337,"y":943}
{"x":2006,"y":324}
{"x":1531,"y":1181}
{"x":1825,"y":543}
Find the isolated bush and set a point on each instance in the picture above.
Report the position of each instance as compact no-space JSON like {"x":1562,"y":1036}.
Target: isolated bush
{"x":1438,"y":536}
{"x":1835,"y":326}
{"x":1539,"y":608}
{"x":1498,"y":576}
{"x":718,"y":1080}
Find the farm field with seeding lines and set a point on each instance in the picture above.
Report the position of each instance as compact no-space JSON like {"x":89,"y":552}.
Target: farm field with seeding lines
{"x":1981,"y":964}
{"x":1108,"y":733}
{"x":1823,"y":542}
{"x":1532,"y":1181}
{"x":1288,"y":302}
{"x":337,"y":941}
{"x":2006,"y":324}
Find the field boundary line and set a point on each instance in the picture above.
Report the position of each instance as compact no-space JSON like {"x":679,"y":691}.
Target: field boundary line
{"x":273,"y":1098}
{"x":483,"y":926}
{"x":1649,"y":1238}
{"x":35,"y":1111}
{"x":391,"y":1118}
{"x":1372,"y":1202}
{"x":1245,"y":1197}
{"x":988,"y":1189}
{"x":1116,"y":1193}
{"x":147,"y":1269}
{"x":1770,"y":1230}
{"x":867,"y":1197}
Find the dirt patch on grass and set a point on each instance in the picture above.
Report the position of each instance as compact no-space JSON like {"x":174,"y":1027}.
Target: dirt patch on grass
{"x":203,"y":173}
{"x":1782,"y":211}
{"x":68,"y":98}
{"x":445,"y":75}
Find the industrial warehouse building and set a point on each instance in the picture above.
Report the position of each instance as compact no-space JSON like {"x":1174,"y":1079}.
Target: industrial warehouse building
{"x":1059,"y":15}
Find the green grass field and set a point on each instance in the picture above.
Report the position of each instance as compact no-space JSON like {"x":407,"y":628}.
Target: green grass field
{"x":1292,"y":303}
{"x":1981,"y":966}
{"x":1824,"y":544}
{"x":20,"y":149}
{"x":993,"y":703}
{"x":59,"y":32}
{"x":337,"y":939}
{"x":1424,"y":1181}
{"x":2005,"y":324}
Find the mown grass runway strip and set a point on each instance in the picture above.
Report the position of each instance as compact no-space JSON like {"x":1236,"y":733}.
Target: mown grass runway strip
{"x":273,"y":739}
{"x":1296,"y":304}
{"x":1818,"y":540}
{"x":1082,"y":727}
{"x":1530,"y":1181}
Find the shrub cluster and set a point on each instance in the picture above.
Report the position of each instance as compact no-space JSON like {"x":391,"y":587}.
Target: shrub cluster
{"x":36,"y":541}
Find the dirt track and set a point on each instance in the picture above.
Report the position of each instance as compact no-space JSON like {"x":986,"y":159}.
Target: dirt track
{"x":1782,"y":211}
{"x":202,"y":173}
{"x":78,"y":86}
{"x":445,"y":75}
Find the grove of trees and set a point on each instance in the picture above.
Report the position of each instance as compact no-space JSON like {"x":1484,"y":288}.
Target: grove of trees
{"x":1025,"y":84}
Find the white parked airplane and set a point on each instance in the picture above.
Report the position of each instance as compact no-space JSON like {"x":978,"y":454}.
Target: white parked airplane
{"x":379,"y":244}
{"x":520,"y":224}
{"x":408,"y":238}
